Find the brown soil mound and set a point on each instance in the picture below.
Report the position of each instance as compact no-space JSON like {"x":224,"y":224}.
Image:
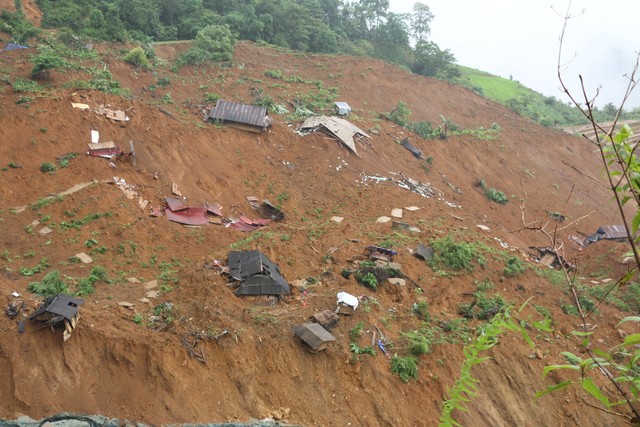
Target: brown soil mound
{"x":114,"y":366}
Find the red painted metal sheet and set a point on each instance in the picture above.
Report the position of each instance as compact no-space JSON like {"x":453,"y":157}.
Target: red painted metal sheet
{"x":105,"y":152}
{"x":257,"y":222}
{"x":213,"y":208}
{"x":245,"y":228}
{"x":189,"y":216}
{"x":175,"y":204}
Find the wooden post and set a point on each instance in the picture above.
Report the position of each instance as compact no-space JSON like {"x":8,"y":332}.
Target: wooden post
{"x":133,"y":153}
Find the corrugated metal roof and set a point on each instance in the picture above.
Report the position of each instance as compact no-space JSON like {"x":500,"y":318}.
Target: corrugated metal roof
{"x":313,"y":334}
{"x":259,"y":275}
{"x":340,"y":128}
{"x":189,"y":216}
{"x":613,"y":231}
{"x":60,"y":305}
{"x":254,"y":115}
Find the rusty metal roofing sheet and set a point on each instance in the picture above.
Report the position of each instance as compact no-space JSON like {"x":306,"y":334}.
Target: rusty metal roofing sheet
{"x":312,"y":334}
{"x":213,"y":208}
{"x":241,"y":113}
{"x":189,"y":216}
{"x":175,"y":204}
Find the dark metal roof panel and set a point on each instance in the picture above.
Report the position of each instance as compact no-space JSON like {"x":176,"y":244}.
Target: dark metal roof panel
{"x":241,"y":113}
{"x":61,"y":305}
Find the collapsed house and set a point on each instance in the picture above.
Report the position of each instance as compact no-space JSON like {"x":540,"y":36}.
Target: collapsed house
{"x":61,"y":309}
{"x":547,"y":256}
{"x":617,"y":233}
{"x":257,"y":274}
{"x":313,"y":336}
{"x":345,"y":132}
{"x":252,"y":118}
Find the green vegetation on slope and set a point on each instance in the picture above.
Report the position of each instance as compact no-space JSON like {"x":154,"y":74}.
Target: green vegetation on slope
{"x":545,"y":110}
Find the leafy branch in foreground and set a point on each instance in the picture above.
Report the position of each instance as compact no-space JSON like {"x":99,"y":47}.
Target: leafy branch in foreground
{"x":465,"y":389}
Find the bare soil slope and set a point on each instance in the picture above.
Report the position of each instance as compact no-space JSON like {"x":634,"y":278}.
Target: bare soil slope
{"x":114,"y":366}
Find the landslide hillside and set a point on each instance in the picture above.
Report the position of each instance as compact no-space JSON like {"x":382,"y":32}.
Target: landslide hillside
{"x":130,"y":360}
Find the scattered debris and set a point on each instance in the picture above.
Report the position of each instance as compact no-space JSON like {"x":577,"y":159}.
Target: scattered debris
{"x":416,"y":152}
{"x":383,"y":219}
{"x":377,"y":252}
{"x":424,"y":252}
{"x":59,"y":309}
{"x":396,"y":212}
{"x":547,"y":256}
{"x":412,"y":208}
{"x":313,"y":335}
{"x":483,"y":227}
{"x":44,"y":231}
{"x":13,"y":46}
{"x":398,"y":225}
{"x":337,"y":219}
{"x":115,"y":115}
{"x":126,"y":304}
{"x":424,"y":189}
{"x":80,"y":106}
{"x":396,"y":281}
{"x":327,"y":318}
{"x":257,"y":274}
{"x":106,"y":150}
{"x":617,"y":233}
{"x":84,"y":258}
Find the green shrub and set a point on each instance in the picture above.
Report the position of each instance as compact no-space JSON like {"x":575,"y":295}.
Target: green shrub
{"x":355,"y":349}
{"x":421,"y":309}
{"x":417,"y":343}
{"x":405,"y":367}
{"x":50,"y":285}
{"x":138,"y":57}
{"x":369,"y":280}
{"x":24,"y":85}
{"x":46,"y":60}
{"x":48,"y":168}
{"x":514,"y":266}
{"x":483,"y":307}
{"x":355,"y":332}
{"x":399,"y":115}
{"x":274,"y":74}
{"x":496,"y":196}
{"x":455,"y":256}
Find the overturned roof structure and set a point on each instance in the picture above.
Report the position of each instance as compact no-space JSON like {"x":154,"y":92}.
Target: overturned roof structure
{"x":547,"y":256}
{"x":61,"y":308}
{"x":344,"y":131}
{"x":257,"y":273}
{"x":253,"y":118}
{"x":313,"y":335}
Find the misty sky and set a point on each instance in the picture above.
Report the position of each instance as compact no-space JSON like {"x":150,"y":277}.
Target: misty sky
{"x":520,"y":38}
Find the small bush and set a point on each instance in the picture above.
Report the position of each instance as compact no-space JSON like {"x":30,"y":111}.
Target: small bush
{"x":496,"y":196}
{"x":50,"y":285}
{"x":405,"y":367}
{"x":514,"y":266}
{"x":417,"y":343}
{"x":355,"y":349}
{"x":355,"y":332}
{"x":369,"y":280}
{"x":274,"y":74}
{"x":138,"y":57}
{"x":23,"y":85}
{"x":421,"y":309}
{"x":49,"y":168}
{"x":455,"y":256}
{"x":46,"y":60}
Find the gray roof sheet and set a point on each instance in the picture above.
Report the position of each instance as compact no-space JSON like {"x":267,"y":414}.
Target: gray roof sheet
{"x":61,"y":305}
{"x":258,"y":274}
{"x":240,"y":113}
{"x":312,"y":334}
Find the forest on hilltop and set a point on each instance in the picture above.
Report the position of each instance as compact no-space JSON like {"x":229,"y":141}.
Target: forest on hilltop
{"x":357,"y":28}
